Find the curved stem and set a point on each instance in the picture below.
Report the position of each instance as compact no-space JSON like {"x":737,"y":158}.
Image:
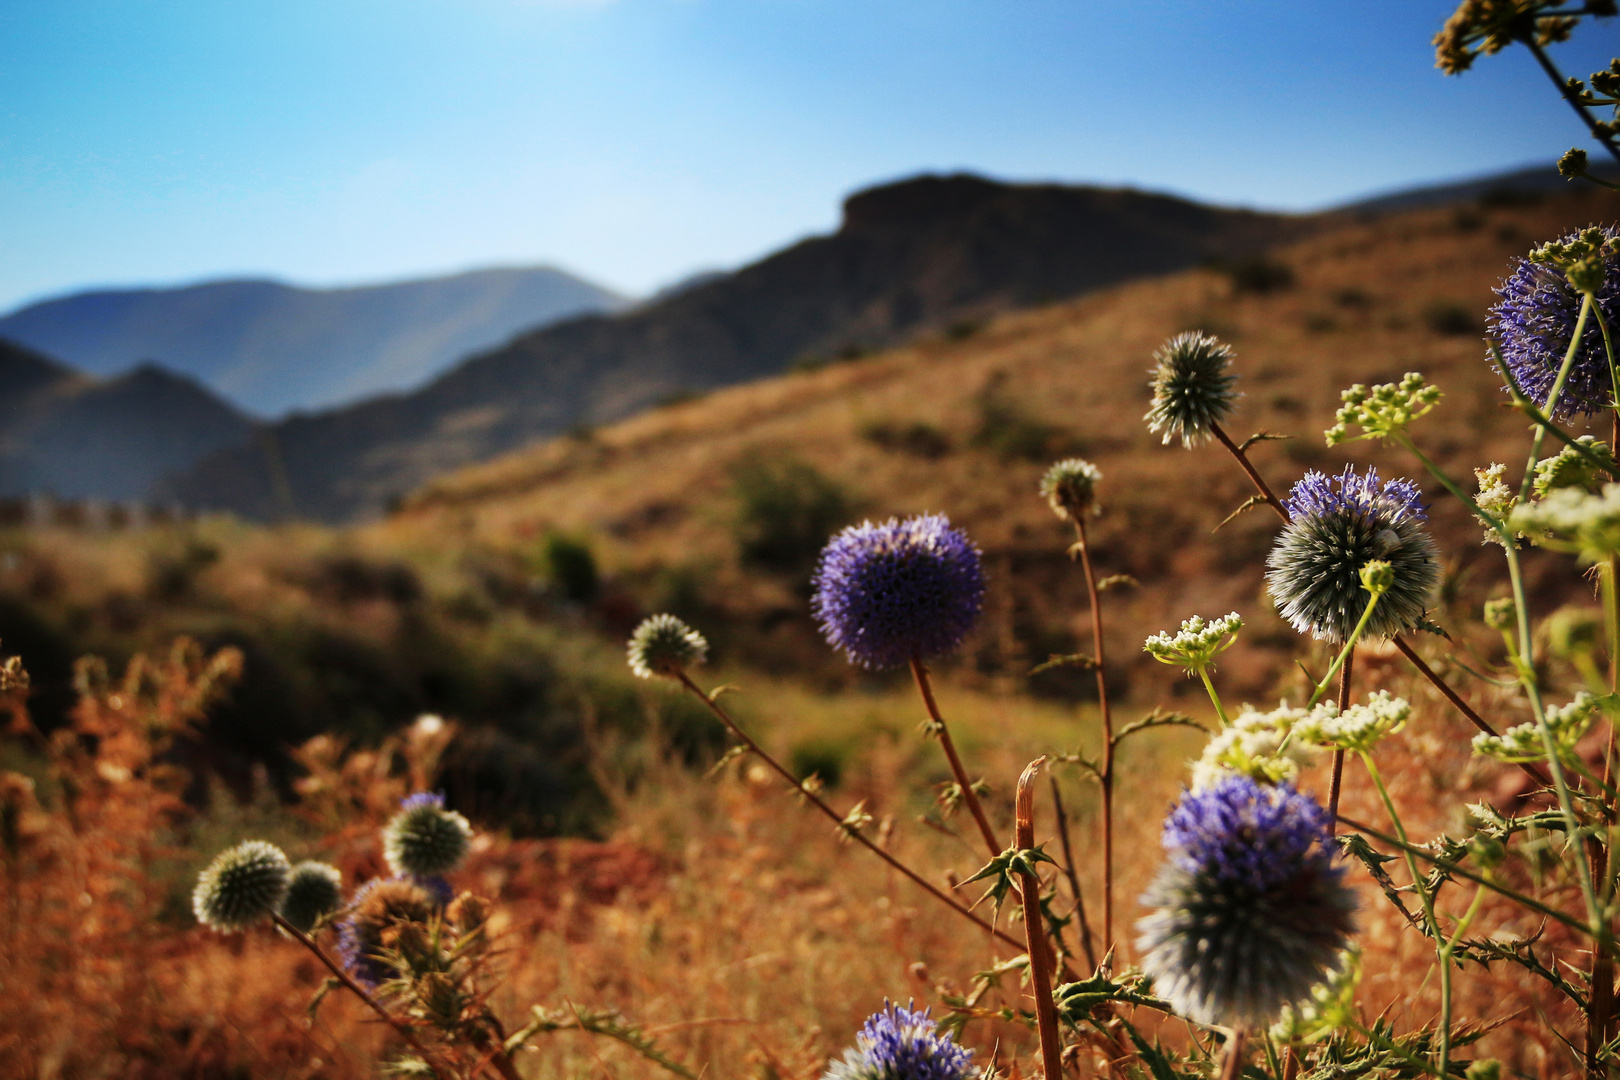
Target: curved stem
{"x":1106,"y":773}
{"x":1254,"y":476}
{"x":969,"y":796}
{"x":820,"y":804}
{"x":359,"y":991}
{"x":1215,"y":699}
{"x":1040,"y":959}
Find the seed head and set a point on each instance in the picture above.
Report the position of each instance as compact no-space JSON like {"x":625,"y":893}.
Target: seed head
{"x":314,"y":890}
{"x":1192,"y":390}
{"x":1534,"y":320}
{"x":899,"y":1044}
{"x":380,"y":906}
{"x":241,"y":887}
{"x":664,"y":645}
{"x":1337,"y":526}
{"x":424,"y":839}
{"x":885,"y":594}
{"x":1250,"y":907}
{"x":1070,"y":487}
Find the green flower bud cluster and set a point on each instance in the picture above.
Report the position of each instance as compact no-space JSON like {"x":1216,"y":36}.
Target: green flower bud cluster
{"x":1501,"y":613}
{"x":1070,"y":487}
{"x":1572,"y":164}
{"x":664,"y":645}
{"x":1358,"y":727}
{"x":1377,"y":577}
{"x":1569,"y":468}
{"x":1574,"y":520}
{"x":1582,"y":259}
{"x":1566,"y":723}
{"x":1196,"y":644}
{"x":1382,"y":411}
{"x":1255,"y":744}
{"x":1486,"y":27}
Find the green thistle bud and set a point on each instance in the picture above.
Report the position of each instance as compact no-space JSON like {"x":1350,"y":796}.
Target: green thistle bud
{"x":241,"y":887}
{"x":1070,"y":487}
{"x":424,"y":839}
{"x":1484,"y":1069}
{"x":664,"y":645}
{"x":1574,"y":632}
{"x":1572,"y":164}
{"x":314,"y":890}
{"x":1488,"y":852}
{"x":1377,"y":577}
{"x":1501,"y":613}
{"x":1192,"y":390}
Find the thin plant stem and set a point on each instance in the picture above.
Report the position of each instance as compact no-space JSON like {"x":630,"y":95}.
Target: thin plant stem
{"x":1343,"y":659}
{"x":1448,"y":948}
{"x":349,"y":982}
{"x":1338,"y":754}
{"x":1040,"y":959}
{"x":1568,"y":95}
{"x":1254,"y":476}
{"x":937,"y":727}
{"x":1553,"y":395}
{"x":1105,"y":775}
{"x":1215,"y":699}
{"x":1069,"y":872}
{"x":1232,"y":1063}
{"x":1541,"y":778}
{"x":820,"y":804}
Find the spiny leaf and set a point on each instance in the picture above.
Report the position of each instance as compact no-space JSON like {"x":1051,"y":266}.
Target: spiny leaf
{"x":1056,"y":660}
{"x":1248,"y":504}
{"x":1263,"y":436}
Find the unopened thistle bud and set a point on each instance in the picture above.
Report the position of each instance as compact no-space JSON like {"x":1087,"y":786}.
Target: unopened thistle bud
{"x":1192,"y":389}
{"x":242,"y":886}
{"x":664,"y":645}
{"x":887,"y":594}
{"x":1378,"y":577}
{"x":425,"y":840}
{"x":1250,"y":907}
{"x":900,"y":1044}
{"x":1573,"y":163}
{"x":314,"y":890}
{"x":381,"y":905}
{"x":1501,"y":613}
{"x":1070,"y":487}
{"x":1337,"y":525}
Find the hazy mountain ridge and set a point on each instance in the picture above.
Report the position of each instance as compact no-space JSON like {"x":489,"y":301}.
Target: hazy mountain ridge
{"x":909,"y":257}
{"x":272,"y":347}
{"x":67,"y":434}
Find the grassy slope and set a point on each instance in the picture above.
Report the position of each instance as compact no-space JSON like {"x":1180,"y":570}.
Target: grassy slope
{"x":654,"y":492}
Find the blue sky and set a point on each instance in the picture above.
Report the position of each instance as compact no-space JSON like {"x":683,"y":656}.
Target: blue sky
{"x":636,"y":141}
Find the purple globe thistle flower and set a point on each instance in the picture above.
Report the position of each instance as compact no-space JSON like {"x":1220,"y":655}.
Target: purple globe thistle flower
{"x":885,"y":594}
{"x":1250,"y":907}
{"x":1336,"y":526}
{"x":899,"y":1044}
{"x":1535,"y":320}
{"x":380,"y":905}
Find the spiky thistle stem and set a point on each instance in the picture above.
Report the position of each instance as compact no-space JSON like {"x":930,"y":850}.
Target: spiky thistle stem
{"x":1040,"y":959}
{"x":969,"y":797}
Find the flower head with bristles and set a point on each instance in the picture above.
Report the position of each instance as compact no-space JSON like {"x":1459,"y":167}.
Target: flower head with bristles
{"x":1070,"y":487}
{"x":1196,"y":644}
{"x":1256,"y":745}
{"x":380,"y":906}
{"x":886,"y":594}
{"x":314,"y":891}
{"x":1192,"y":389}
{"x":1250,"y":907}
{"x":902,"y":1044}
{"x":1534,"y":321}
{"x":664,"y":645}
{"x":244,"y":885}
{"x":425,"y":840}
{"x":1337,"y":525}
{"x":1358,"y":727}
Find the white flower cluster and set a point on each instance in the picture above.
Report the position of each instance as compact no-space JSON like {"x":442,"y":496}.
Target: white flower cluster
{"x":1358,"y":727}
{"x":1255,"y":744}
{"x":1523,"y":742}
{"x":1495,"y":497}
{"x":1570,"y":519}
{"x":1196,"y":644}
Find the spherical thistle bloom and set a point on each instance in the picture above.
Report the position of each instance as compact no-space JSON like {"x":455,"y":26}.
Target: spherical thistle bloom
{"x":314,"y":890}
{"x":244,"y":885}
{"x":1336,"y":526}
{"x":1534,"y":322}
{"x":1250,"y":910}
{"x":664,"y":645}
{"x":1070,"y":487}
{"x":885,"y":594}
{"x":424,"y":839}
{"x":380,"y":905}
{"x":900,"y":1044}
{"x":1192,"y":390}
